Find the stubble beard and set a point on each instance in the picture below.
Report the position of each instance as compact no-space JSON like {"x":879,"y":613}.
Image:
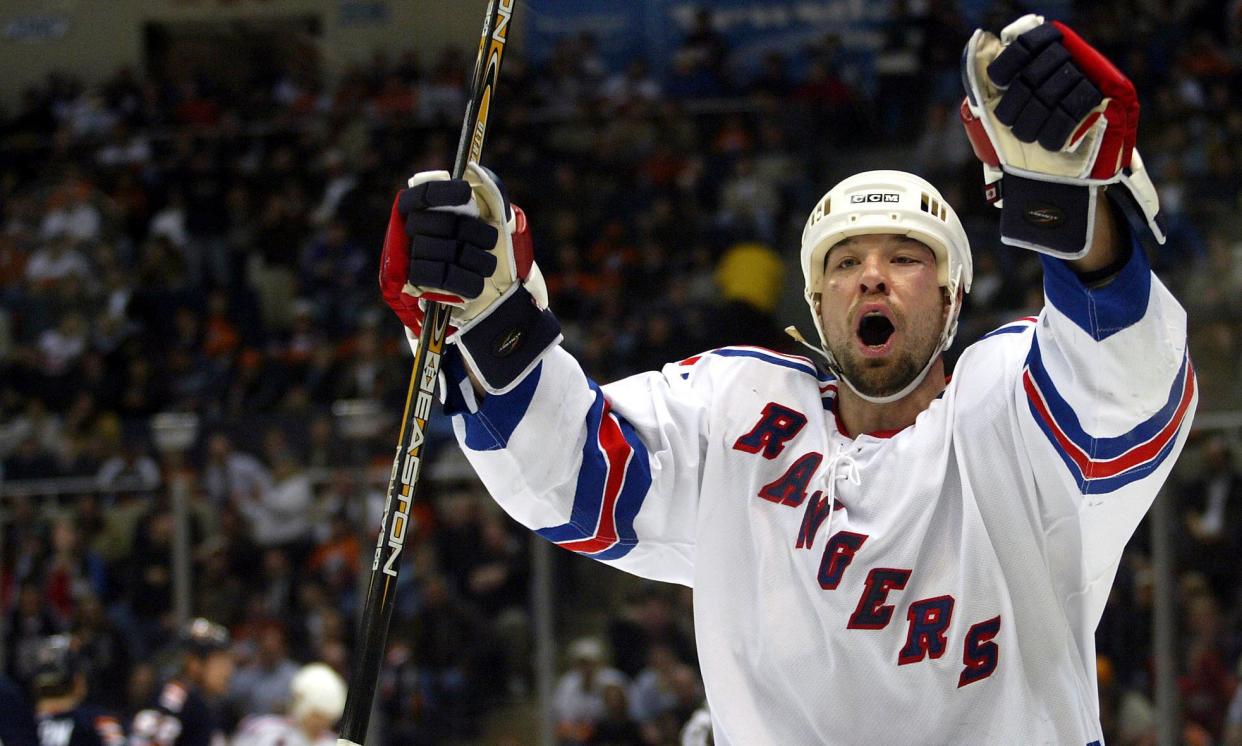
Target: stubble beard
{"x":884,"y":376}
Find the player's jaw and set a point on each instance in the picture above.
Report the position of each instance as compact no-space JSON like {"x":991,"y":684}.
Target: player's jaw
{"x":881,"y":348}
{"x":874,"y":356}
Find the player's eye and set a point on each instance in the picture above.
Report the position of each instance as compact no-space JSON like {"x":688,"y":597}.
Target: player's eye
{"x":903,"y":259}
{"x":846,"y":262}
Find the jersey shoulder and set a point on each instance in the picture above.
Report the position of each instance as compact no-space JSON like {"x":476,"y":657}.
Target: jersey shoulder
{"x":986,"y":371}
{"x":267,"y":730}
{"x":744,"y":360}
{"x":1010,"y":332}
{"x":1003,"y":348}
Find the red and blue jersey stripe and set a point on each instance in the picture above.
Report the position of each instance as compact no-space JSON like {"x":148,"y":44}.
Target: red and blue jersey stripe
{"x":1016,"y":326}
{"x":793,"y":362}
{"x":1102,"y":465}
{"x":613,"y":481}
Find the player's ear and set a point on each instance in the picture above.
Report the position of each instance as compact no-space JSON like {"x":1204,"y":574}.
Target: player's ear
{"x":945,"y":304}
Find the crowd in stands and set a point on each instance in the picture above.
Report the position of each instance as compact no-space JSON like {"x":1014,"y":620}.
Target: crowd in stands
{"x":176,"y":244}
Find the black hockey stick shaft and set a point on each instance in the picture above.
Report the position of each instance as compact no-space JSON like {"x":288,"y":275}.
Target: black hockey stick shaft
{"x":412,"y":442}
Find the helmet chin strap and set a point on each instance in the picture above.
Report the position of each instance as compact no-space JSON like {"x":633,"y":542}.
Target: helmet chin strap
{"x":890,"y":398}
{"x":835,"y":368}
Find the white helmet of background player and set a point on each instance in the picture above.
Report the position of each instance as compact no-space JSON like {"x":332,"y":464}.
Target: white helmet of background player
{"x":317,"y":689}
{"x":887,"y":202}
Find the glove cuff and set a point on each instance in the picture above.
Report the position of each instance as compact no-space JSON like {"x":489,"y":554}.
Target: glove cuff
{"x":505,"y":342}
{"x":1050,"y":217}
{"x":1058,"y":218}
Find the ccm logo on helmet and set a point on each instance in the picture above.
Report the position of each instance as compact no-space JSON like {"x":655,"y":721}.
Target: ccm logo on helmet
{"x":874,"y":197}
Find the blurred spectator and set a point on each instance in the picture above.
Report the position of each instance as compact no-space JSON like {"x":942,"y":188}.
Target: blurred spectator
{"x":337,"y":557}
{"x":615,"y":726}
{"x":149,"y":578}
{"x":651,"y":695}
{"x":687,"y":690}
{"x":1213,"y":519}
{"x":449,"y":638}
{"x":276,"y":590}
{"x":217,"y":586}
{"x":169,"y":222}
{"x":900,"y":90}
{"x":72,"y":573}
{"x":749,"y":279}
{"x":105,"y":650}
{"x":71,"y":217}
{"x":634,"y":85}
{"x":1207,"y":683}
{"x":54,"y":262}
{"x":1233,"y":721}
{"x":130,"y":467}
{"x":705,"y":47}
{"x":232,"y":475}
{"x":261,"y":684}
{"x":27,"y":625}
{"x":140,"y":688}
{"x":498,"y":584}
{"x":279,"y":513}
{"x":647,"y":619}
{"x":29,"y":461}
{"x":578,"y":704}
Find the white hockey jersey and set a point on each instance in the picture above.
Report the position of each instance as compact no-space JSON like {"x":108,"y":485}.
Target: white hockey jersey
{"x":937,"y":585}
{"x":274,"y":730}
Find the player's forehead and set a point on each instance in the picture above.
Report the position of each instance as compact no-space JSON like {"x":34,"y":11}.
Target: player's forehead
{"x":879,"y":241}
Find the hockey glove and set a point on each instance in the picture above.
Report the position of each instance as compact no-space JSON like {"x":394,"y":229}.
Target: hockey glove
{"x":461,"y":243}
{"x":1054,"y":123}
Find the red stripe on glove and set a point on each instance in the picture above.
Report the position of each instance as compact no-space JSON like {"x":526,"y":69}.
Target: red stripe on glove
{"x":978,"y":136}
{"x":1122,"y":112}
{"x":523,"y":246}
{"x":395,"y":268}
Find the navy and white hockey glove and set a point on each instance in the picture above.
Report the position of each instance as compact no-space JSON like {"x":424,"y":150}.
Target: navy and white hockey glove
{"x":1054,"y":123}
{"x":460,"y":242}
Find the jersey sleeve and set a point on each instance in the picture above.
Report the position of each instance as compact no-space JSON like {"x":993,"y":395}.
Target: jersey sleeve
{"x":609,"y":472}
{"x":107,"y":728}
{"x":178,"y":718}
{"x":1105,"y":399}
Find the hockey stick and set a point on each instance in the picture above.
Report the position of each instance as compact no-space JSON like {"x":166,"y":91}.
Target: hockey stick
{"x":412,"y":443}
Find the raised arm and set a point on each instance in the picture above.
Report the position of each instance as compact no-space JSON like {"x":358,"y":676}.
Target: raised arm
{"x":612,"y":472}
{"x":1107,"y":391}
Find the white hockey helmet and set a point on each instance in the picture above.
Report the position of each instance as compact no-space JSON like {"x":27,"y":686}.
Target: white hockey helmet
{"x":876,"y":202}
{"x":317,"y":688}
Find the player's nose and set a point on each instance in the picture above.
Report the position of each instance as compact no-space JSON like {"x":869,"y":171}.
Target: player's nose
{"x":874,"y":275}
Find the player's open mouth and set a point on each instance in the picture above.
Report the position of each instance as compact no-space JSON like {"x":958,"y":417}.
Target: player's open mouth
{"x":875,"y":333}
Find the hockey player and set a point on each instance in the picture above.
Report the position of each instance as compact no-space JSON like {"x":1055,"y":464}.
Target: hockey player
{"x":17,"y":727}
{"x":316,"y":701}
{"x":878,"y":554}
{"x":60,"y":692}
{"x":185,"y":713}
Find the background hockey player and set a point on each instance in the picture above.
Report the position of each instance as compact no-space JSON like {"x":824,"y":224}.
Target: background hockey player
{"x":17,"y":727}
{"x":316,"y":701}
{"x":65,"y":717}
{"x":186,"y":712}
{"x":878,"y":553}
